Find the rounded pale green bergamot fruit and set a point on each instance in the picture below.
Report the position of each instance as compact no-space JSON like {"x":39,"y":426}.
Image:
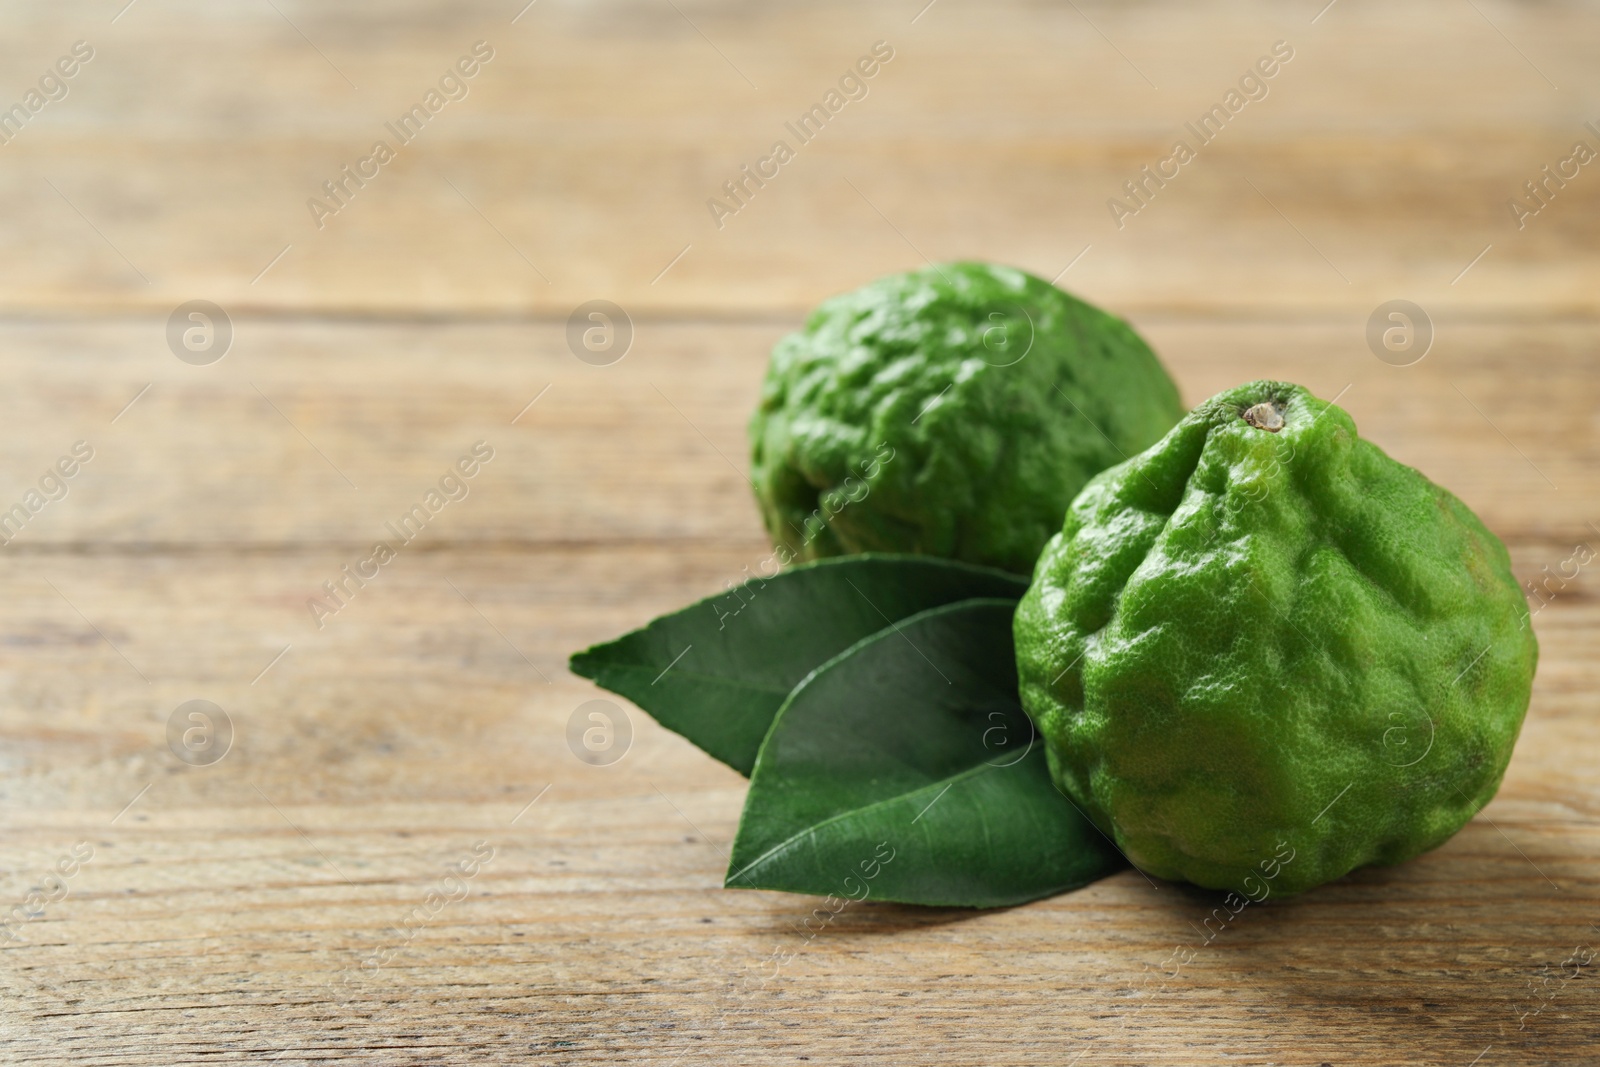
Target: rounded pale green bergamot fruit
{"x":953,"y":411}
{"x":1262,"y":653}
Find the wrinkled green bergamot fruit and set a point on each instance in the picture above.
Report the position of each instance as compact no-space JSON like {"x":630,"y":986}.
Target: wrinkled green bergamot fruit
{"x":1263,"y":654}
{"x":953,"y":411}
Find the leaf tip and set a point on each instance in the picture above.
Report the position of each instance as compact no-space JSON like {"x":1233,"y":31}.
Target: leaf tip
{"x":587,"y":662}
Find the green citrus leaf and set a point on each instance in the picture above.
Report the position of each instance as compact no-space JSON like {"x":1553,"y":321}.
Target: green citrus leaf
{"x":717,"y":671}
{"x":905,"y":770}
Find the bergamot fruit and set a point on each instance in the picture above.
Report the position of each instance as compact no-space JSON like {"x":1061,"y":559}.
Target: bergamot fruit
{"x":953,"y":411}
{"x":1262,"y":653}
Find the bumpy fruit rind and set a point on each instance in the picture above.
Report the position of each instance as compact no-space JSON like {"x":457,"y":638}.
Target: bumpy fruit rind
{"x":1249,"y":643}
{"x":953,"y":411}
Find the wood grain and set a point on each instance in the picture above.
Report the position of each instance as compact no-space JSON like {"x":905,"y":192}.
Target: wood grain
{"x":1382,"y":158}
{"x":235,"y":912}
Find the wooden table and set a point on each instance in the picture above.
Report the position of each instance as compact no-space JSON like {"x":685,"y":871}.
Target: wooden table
{"x":274,"y":905}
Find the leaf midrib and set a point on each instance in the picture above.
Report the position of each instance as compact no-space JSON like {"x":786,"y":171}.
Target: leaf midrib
{"x":780,"y":689}
{"x":814,"y":828}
